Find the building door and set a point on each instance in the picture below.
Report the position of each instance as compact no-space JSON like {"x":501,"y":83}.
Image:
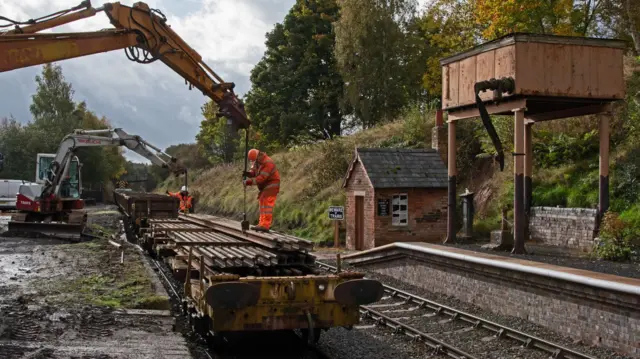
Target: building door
{"x":359,"y":223}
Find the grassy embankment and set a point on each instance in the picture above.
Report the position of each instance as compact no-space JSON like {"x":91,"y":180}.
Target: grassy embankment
{"x":565,"y":174}
{"x":311,"y":179}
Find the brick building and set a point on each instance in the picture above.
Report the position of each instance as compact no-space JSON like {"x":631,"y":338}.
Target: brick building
{"x":395,"y":195}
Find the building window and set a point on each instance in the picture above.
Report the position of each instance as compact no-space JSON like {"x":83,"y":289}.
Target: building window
{"x":400,"y":210}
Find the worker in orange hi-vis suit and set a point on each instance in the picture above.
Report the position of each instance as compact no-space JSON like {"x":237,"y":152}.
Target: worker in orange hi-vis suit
{"x":265,"y":175}
{"x":185,"y":199}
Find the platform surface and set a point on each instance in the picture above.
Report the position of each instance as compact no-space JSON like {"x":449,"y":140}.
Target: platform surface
{"x":603,"y":280}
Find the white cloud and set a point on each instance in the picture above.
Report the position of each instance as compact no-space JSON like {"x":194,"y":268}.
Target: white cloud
{"x":151,"y":100}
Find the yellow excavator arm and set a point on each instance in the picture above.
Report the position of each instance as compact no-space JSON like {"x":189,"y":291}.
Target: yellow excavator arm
{"x":141,"y":31}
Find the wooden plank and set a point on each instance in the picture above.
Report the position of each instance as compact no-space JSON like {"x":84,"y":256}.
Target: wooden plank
{"x":610,"y":83}
{"x":558,"y":73}
{"x":446,"y":86}
{"x":467,"y":80}
{"x":454,"y":84}
{"x":582,"y":74}
{"x":491,"y":109}
{"x":530,"y":68}
{"x":572,"y":112}
{"x":505,"y":60}
{"x":486,"y":70}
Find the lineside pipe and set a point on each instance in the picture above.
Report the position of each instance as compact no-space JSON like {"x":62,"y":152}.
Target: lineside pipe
{"x":505,"y":84}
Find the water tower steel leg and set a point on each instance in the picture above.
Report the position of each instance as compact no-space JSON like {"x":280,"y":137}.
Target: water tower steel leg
{"x":452,"y":171}
{"x":528,"y":174}
{"x":603,"y":205}
{"x":518,"y":180}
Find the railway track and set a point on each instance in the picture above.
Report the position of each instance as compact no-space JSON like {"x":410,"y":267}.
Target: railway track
{"x":436,"y":325}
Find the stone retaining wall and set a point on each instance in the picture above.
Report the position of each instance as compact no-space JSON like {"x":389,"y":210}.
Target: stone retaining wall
{"x":572,"y":228}
{"x":590,"y":314}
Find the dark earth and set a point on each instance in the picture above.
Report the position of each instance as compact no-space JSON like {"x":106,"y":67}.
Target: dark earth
{"x":75,"y":300}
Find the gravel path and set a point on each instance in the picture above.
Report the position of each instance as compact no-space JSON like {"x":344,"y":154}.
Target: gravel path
{"x":624,"y":269}
{"x":479,"y":347}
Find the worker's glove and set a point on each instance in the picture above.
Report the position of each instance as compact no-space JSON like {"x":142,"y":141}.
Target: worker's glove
{"x":247,"y":182}
{"x":246,"y":174}
{"x":167,"y":192}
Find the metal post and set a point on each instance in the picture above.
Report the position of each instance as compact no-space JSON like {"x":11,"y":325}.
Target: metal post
{"x":336,"y":234}
{"x":467,"y":214}
{"x":187,"y":278}
{"x":452,"y":171}
{"x":603,"y":205}
{"x":528,"y":174}
{"x":518,"y":180}
{"x":201,"y":275}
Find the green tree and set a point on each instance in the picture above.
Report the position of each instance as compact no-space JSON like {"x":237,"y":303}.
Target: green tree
{"x":14,"y":141}
{"x":52,"y":105}
{"x":375,"y":55}
{"x":296,"y":89}
{"x":100,"y":164}
{"x":56,"y":115}
{"x":447,"y":27}
{"x":217,"y":139}
{"x":622,"y":19}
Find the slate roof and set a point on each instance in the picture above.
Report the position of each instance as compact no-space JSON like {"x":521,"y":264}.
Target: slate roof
{"x":401,"y":168}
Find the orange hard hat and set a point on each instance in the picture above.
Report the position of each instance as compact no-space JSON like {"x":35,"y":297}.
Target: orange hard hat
{"x":253,"y":154}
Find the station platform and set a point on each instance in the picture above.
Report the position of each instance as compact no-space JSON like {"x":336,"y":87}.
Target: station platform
{"x":596,"y":308}
{"x":579,"y":276}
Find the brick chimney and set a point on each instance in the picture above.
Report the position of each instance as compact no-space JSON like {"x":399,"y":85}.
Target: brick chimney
{"x":439,"y":137}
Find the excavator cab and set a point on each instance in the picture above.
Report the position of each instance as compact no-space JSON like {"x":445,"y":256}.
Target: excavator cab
{"x":71,"y":186}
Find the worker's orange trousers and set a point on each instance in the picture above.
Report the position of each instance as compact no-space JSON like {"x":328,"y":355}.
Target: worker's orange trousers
{"x":267,"y":202}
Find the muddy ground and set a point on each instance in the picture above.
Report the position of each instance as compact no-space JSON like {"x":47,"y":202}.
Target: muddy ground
{"x":61,"y":300}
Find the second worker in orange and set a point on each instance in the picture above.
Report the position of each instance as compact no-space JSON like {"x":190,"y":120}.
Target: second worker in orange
{"x":265,"y":175}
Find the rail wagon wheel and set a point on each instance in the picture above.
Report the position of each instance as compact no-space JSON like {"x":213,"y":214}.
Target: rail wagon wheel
{"x":216,"y":341}
{"x":311,"y":336}
{"x":128,"y":229}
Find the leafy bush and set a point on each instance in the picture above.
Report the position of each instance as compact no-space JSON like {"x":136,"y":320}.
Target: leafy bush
{"x":416,"y":127}
{"x":554,"y":149}
{"x":625,"y":184}
{"x":335,"y":157}
{"x":616,"y":237}
{"x":550,"y":195}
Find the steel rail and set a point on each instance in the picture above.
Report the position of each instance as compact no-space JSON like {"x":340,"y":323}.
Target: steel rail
{"x":527,"y":340}
{"x":438,"y":346}
{"x":173,"y":289}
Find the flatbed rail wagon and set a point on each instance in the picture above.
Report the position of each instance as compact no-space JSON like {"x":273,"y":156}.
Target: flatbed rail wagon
{"x":237,"y":281}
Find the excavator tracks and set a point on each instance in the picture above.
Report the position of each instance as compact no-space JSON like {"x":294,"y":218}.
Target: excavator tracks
{"x":69,"y":226}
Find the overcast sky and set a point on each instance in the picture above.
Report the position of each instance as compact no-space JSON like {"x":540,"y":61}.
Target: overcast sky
{"x":151,"y":100}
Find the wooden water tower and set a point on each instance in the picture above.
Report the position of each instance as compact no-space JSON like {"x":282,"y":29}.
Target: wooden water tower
{"x":536,"y":78}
